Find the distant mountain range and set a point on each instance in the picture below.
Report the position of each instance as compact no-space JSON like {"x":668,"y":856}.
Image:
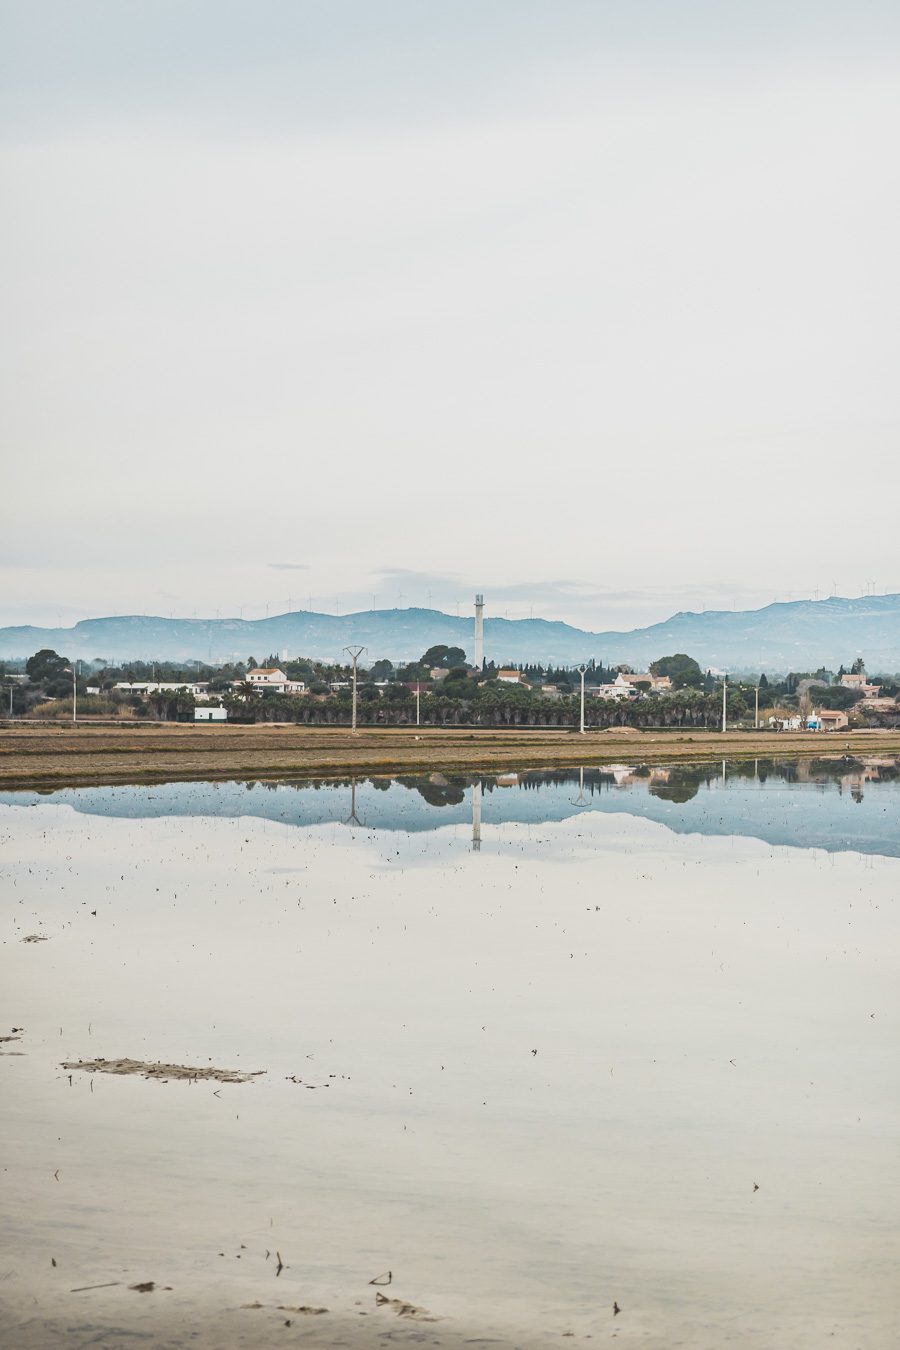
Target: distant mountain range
{"x":798,"y":635}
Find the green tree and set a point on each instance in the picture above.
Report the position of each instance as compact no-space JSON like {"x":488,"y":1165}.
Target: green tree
{"x":442,"y":655}
{"x":45,"y":665}
{"x":51,"y":671}
{"x":682,"y":670}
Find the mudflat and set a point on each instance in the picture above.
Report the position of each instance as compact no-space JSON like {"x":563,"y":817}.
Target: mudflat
{"x":38,"y":754}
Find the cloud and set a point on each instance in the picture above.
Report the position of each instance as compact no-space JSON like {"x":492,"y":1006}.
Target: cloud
{"x":289,"y":567}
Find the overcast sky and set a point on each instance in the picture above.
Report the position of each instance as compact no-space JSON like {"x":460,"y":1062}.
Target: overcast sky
{"x":592,"y":306}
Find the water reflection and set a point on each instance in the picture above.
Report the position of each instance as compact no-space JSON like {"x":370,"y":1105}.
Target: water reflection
{"x":535,"y":1042}
{"x":834,"y":804}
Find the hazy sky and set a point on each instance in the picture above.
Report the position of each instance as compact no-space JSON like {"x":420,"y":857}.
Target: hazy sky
{"x":589,"y":305}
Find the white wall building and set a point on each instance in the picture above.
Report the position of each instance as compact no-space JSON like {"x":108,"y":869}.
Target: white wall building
{"x":273,"y":679}
{"x":621,"y":689}
{"x":147,"y":687}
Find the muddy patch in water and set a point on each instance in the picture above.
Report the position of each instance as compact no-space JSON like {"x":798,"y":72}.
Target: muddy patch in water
{"x":163,"y":1071}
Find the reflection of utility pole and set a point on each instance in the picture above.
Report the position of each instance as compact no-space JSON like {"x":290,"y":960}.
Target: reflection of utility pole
{"x":476,"y":816}
{"x":581,"y":671}
{"x":353,"y":818}
{"x":354,"y":653}
{"x":579,"y":800}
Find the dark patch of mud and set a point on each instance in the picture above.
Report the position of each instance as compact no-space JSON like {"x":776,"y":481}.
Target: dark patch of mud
{"x":178,"y":1072}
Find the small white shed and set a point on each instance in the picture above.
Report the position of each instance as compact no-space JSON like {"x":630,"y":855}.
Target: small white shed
{"x":210,"y":714}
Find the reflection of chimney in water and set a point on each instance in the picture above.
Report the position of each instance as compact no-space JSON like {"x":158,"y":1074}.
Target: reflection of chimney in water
{"x":476,"y":816}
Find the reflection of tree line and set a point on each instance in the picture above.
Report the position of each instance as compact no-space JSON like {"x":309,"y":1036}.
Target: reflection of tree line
{"x":672,"y":782}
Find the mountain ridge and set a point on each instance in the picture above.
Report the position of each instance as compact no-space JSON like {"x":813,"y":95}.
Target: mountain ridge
{"x":781,"y":636}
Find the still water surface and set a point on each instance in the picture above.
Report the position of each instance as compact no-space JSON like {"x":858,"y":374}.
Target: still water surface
{"x":551,"y":1031}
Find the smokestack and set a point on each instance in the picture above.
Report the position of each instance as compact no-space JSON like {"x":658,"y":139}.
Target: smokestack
{"x":479,"y":631}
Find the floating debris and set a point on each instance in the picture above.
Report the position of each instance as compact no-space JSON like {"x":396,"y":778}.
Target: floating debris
{"x":402,"y":1309}
{"x":36,"y":937}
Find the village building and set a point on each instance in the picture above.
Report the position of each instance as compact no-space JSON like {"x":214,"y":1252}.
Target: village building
{"x":861,"y":685}
{"x":271,"y":679}
{"x":658,"y":683}
{"x":210,"y":714}
{"x":512,"y":677}
{"x":787,"y":723}
{"x":144,"y":688}
{"x":832,"y":719}
{"x":617,"y":690}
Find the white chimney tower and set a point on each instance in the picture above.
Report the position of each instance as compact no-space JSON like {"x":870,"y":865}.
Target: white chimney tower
{"x":479,"y":631}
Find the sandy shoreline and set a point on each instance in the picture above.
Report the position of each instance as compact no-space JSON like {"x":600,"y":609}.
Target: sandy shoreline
{"x":41,"y":755}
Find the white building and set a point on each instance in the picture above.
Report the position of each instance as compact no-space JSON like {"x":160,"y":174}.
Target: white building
{"x":146,"y":687}
{"x":272,"y":679}
{"x":621,"y":689}
{"x":210,"y":714}
{"x":658,"y":683}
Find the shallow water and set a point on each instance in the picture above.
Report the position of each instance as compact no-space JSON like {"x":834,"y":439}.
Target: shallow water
{"x":541,"y":1072}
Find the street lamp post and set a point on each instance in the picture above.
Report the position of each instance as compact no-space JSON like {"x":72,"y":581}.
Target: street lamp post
{"x":582,"y":671}
{"x":354,"y":653}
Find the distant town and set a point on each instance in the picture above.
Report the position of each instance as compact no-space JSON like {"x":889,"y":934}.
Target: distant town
{"x":443,"y":689}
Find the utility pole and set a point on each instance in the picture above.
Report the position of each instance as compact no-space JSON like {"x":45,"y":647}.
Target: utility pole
{"x":74,"y":692}
{"x":582,"y":670}
{"x":724,"y":701}
{"x":354,"y":653}
{"x":418,"y":708}
{"x":756,"y":718}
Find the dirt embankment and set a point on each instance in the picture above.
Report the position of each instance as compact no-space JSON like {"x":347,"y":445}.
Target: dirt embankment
{"x":41,"y":756}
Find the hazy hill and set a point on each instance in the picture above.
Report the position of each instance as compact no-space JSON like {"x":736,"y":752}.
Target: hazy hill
{"x":800,"y":635}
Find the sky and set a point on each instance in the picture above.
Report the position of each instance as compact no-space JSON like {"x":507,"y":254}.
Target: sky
{"x":589,"y":306}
